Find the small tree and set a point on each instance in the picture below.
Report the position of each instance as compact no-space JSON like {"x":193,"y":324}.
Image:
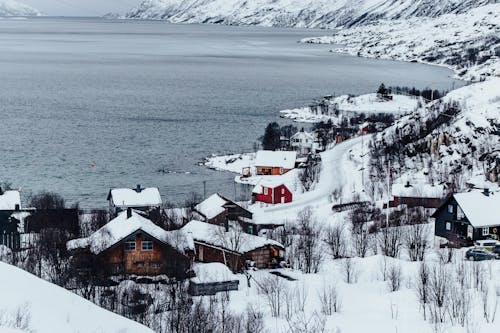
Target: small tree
{"x":335,"y":239}
{"x":271,"y":138}
{"x":310,"y":245}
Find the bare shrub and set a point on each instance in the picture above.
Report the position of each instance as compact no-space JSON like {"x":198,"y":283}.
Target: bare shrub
{"x":310,"y":245}
{"x":329,"y":298}
{"x":350,"y":271}
{"x":394,"y":276}
{"x":415,"y":240}
{"x":20,"y":318}
{"x":389,"y":240}
{"x":272,"y":288}
{"x":336,"y":241}
{"x":422,"y":287}
{"x":439,"y":290}
{"x":301,"y":323}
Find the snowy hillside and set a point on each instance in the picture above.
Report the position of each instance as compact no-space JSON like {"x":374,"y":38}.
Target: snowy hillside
{"x":14,"y":8}
{"x":296,"y":13}
{"x":467,"y":42}
{"x":29,"y":304}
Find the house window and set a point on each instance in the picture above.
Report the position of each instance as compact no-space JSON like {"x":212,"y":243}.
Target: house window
{"x":486,"y":231}
{"x":450,"y":209}
{"x":129,"y":246}
{"x":281,"y":171}
{"x":250,"y":229}
{"x":282,"y":191}
{"x":460,"y":213}
{"x":265,"y":190}
{"x":147,"y":245}
{"x":155,"y":265}
{"x":448,"y":226}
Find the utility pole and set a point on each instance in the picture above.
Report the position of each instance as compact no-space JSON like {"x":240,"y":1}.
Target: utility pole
{"x":388,"y":194}
{"x":204,"y":189}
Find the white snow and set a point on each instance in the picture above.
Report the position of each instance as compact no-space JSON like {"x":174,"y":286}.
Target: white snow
{"x":212,"y":272}
{"x":126,"y":197}
{"x":233,"y":162}
{"x":9,"y":200}
{"x":480,"y":209}
{"x":278,"y":159}
{"x":234,"y":240}
{"x":52,"y":309}
{"x":15,"y":8}
{"x":212,"y":206}
{"x":121,"y":227}
{"x":417,"y":190}
{"x":443,"y":40}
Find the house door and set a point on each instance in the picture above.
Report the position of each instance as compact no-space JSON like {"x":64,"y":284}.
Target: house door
{"x":470,"y":232}
{"x":282,"y":200}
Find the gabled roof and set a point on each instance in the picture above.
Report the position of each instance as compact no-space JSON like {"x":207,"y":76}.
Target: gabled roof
{"x":302,"y":134}
{"x":279,"y":159}
{"x":233,"y":240}
{"x":122,"y":227}
{"x":481,"y":210}
{"x":215,"y":205}
{"x":9,"y":200}
{"x":269,"y":182}
{"x":126,"y":197}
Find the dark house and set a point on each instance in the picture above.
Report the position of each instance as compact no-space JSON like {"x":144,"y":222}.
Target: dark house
{"x":9,"y":230}
{"x":219,"y":210}
{"x":232,"y":247}
{"x":130,"y":244}
{"x":417,"y":195}
{"x":464,"y":218}
{"x":63,"y":219}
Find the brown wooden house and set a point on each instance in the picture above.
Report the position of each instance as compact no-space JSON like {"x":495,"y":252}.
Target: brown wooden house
{"x":417,"y":195}
{"x":231,"y":246}
{"x":131,"y":244}
{"x":274,"y":163}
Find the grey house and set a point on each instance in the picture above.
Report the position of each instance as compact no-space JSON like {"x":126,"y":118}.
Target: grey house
{"x":464,"y":218}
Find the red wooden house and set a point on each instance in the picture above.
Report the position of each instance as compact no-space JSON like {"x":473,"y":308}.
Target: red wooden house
{"x":271,"y":191}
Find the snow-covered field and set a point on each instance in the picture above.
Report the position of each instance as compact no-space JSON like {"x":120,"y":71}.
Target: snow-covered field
{"x":366,"y":104}
{"x":444,"y":40}
{"x":29,"y":304}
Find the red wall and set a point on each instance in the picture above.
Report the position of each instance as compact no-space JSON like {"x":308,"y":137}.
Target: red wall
{"x":279,"y":193}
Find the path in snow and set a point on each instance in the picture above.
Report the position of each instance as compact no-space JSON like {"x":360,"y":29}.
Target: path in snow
{"x":338,"y":173}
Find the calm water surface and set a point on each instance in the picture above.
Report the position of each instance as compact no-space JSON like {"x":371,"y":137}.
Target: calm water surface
{"x":136,"y":97}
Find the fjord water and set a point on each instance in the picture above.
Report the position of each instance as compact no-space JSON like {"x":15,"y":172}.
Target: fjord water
{"x":89,"y":104}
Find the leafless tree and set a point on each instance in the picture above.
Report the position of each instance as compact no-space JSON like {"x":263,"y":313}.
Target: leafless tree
{"x":329,"y":298}
{"x":389,"y":240}
{"x":416,"y":241}
{"x":394,"y":276}
{"x":336,"y":240}
{"x":302,"y":323}
{"x":422,"y":287}
{"x":271,"y":287}
{"x":310,"y":245}
{"x":350,"y":271}
{"x":439,"y":291}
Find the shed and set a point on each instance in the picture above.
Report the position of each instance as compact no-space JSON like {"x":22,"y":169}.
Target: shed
{"x":143,"y":199}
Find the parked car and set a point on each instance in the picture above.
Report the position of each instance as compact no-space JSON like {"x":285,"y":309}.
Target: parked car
{"x":496,"y":250}
{"x":478,"y":254}
{"x":487,"y":244}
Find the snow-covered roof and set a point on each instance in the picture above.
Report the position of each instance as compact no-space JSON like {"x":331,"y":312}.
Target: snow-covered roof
{"x":481,"y":210}
{"x":233,"y":240}
{"x":303,"y":135}
{"x":280,"y":159}
{"x":269,"y":182}
{"x":121,"y":227}
{"x":212,"y":206}
{"x":126,"y":197}
{"x":9,"y":200}
{"x":418,"y":190}
{"x":212,"y":272}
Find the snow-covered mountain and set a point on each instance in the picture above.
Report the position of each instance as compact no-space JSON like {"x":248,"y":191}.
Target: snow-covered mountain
{"x":29,"y":304}
{"x":297,"y":13}
{"x":468,"y":42}
{"x":14,"y":8}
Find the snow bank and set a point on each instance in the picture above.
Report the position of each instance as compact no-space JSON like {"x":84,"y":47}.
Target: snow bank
{"x":14,"y":8}
{"x":212,"y":272}
{"x":52,"y":309}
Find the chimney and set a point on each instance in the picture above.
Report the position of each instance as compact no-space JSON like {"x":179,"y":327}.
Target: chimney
{"x":407,"y":184}
{"x":17,"y":208}
{"x":486,"y":192}
{"x":138,"y":188}
{"x":129,"y":212}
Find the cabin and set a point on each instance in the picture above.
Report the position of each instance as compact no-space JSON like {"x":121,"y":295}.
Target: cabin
{"x":464,"y":218}
{"x":364,"y":128}
{"x":303,"y":142}
{"x":131,"y":244}
{"x":273,"y":163}
{"x":232,"y":247}
{"x":219,"y":210}
{"x":143,"y":199}
{"x":417,"y":195}
{"x":271,"y":191}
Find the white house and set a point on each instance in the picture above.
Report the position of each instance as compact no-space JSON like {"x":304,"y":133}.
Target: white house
{"x":303,"y":142}
{"x":10,"y":200}
{"x":143,"y":199}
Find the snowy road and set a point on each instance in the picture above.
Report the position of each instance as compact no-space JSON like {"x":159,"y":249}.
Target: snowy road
{"x":338,"y":172}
